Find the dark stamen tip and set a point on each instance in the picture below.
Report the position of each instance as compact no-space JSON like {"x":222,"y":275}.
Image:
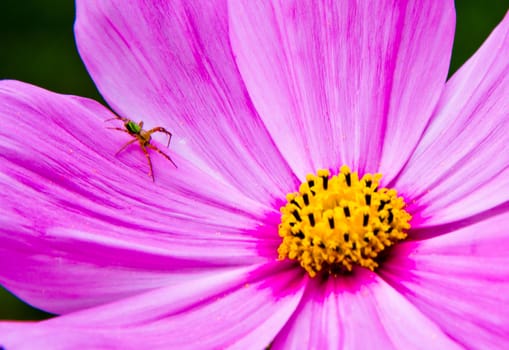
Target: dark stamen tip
{"x":348,"y":179}
{"x":305,"y":198}
{"x":325,"y":182}
{"x":391,"y":217}
{"x":331,"y":223}
{"x":365,"y":220}
{"x":311,"y":219}
{"x":298,"y":235}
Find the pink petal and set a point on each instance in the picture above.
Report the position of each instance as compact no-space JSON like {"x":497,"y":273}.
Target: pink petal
{"x":170,"y":63}
{"x":344,"y":82}
{"x":461,"y":167}
{"x":241,"y":309}
{"x":81,"y":226}
{"x":460,"y":280}
{"x":359,"y":312}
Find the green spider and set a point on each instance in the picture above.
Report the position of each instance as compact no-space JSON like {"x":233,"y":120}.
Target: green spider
{"x":143,"y":137}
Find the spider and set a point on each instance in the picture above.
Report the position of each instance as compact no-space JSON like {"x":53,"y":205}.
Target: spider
{"x":143,"y":137}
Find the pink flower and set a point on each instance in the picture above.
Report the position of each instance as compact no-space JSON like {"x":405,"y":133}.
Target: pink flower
{"x":257,"y":94}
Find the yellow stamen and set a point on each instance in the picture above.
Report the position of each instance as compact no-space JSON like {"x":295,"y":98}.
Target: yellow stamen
{"x":333,"y":223}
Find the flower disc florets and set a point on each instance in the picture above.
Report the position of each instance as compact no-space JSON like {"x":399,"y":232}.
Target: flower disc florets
{"x":335,"y":222}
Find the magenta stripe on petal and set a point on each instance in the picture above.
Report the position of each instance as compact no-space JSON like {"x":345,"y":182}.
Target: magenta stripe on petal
{"x":344,"y":82}
{"x":240,"y":309}
{"x":89,"y":226}
{"x":170,"y":63}
{"x":359,"y":312}
{"x":460,"y":280}
{"x":461,"y":168}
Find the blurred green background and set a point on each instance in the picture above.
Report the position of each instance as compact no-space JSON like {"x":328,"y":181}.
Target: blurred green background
{"x":37,"y":46}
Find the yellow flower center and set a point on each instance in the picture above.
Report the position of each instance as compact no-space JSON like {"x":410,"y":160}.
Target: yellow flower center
{"x":335,"y":222}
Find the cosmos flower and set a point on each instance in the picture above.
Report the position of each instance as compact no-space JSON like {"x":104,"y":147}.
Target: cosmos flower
{"x":397,"y":239}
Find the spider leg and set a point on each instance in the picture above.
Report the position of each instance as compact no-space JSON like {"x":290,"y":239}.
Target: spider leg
{"x":163,"y":130}
{"x":119,"y":129}
{"x":150,"y":171}
{"x":125,"y":146}
{"x":161,"y":153}
{"x":117,"y":118}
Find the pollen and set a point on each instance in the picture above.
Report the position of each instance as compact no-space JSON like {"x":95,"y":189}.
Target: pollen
{"x":336,"y":222}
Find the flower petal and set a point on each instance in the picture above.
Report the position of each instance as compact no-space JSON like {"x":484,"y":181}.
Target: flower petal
{"x":460,"y":167}
{"x":241,"y":309}
{"x":460,"y":280}
{"x":88,"y":227}
{"x":170,"y":63}
{"x":343,"y":82}
{"x":359,"y":312}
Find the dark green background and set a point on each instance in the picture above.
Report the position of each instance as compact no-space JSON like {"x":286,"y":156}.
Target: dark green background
{"x":37,"y":46}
